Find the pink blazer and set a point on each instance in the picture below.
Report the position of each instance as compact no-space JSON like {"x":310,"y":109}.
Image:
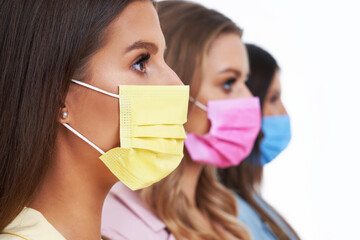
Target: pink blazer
{"x":125,"y":217}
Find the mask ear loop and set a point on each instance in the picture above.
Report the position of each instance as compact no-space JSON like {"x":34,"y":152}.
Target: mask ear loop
{"x":76,"y":132}
{"x":199,"y":105}
{"x":95,"y":88}
{"x":83,"y":138}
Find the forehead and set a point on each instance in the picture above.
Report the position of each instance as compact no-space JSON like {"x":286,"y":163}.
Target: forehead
{"x":137,"y":22}
{"x":228,"y":51}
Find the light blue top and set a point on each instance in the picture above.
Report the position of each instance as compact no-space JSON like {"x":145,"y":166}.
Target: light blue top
{"x":259,"y":229}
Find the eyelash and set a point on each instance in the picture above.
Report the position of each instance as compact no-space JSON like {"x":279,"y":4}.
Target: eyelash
{"x":227,"y":85}
{"x":141,"y":63}
{"x":274,"y":99}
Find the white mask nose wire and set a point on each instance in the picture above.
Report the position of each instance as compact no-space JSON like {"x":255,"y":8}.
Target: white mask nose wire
{"x":199,"y":105}
{"x":95,"y":88}
{"x":83,"y":138}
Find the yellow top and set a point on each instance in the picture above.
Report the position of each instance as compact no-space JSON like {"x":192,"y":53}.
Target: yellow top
{"x":30,"y":225}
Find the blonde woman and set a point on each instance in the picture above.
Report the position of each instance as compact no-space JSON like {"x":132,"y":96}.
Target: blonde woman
{"x":206,"y":51}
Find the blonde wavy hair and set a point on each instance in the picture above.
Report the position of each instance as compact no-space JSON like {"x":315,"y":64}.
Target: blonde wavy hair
{"x":189,"y":30}
{"x":167,"y":200}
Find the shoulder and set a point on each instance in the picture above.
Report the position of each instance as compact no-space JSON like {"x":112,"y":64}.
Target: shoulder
{"x":246,"y":212}
{"x":248,"y":215}
{"x":125,"y":217}
{"x":30,"y":225}
{"x":118,"y":221}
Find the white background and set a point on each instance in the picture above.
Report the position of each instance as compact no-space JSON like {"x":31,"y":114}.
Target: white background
{"x":314,"y":182}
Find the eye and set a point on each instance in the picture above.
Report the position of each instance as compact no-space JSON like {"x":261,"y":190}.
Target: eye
{"x":140,"y":65}
{"x":228,"y":84}
{"x":274,"y":98}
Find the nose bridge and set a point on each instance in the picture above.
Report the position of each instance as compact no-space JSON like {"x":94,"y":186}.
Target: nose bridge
{"x":243,"y":91}
{"x":170,"y":77}
{"x":248,"y":92}
{"x":283,"y":109}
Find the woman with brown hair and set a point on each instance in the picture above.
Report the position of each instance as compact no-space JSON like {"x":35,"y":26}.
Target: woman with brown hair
{"x":206,"y":51}
{"x":245,"y":179}
{"x":65,"y":71}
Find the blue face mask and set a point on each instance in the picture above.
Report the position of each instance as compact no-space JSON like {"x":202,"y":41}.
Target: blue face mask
{"x":277,"y":135}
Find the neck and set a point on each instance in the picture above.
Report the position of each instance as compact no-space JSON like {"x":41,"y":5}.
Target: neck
{"x":189,"y":183}
{"x":71,"y":197}
{"x":192,"y":172}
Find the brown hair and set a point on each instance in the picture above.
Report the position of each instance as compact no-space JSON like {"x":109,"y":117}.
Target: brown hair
{"x":43,"y":44}
{"x":246,"y":178}
{"x":189,"y":30}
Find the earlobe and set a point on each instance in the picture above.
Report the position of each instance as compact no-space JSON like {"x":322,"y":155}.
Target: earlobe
{"x":64,"y":115}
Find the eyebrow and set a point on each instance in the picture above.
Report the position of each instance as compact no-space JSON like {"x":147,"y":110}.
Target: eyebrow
{"x":151,"y":47}
{"x":231,"y":70}
{"x":275,"y":92}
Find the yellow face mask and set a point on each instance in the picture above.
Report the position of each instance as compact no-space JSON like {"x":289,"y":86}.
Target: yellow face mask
{"x":151,"y":133}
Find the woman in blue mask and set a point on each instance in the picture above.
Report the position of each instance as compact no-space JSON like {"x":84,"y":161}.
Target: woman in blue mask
{"x":263,"y":221}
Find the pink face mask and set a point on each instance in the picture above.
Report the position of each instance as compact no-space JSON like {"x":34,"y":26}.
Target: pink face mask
{"x":235,"y":124}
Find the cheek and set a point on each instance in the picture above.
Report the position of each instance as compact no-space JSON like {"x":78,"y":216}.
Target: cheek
{"x":198,"y":122}
{"x":98,"y":120}
{"x":273,"y":108}
{"x":267,"y":109}
{"x":108,"y":123}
